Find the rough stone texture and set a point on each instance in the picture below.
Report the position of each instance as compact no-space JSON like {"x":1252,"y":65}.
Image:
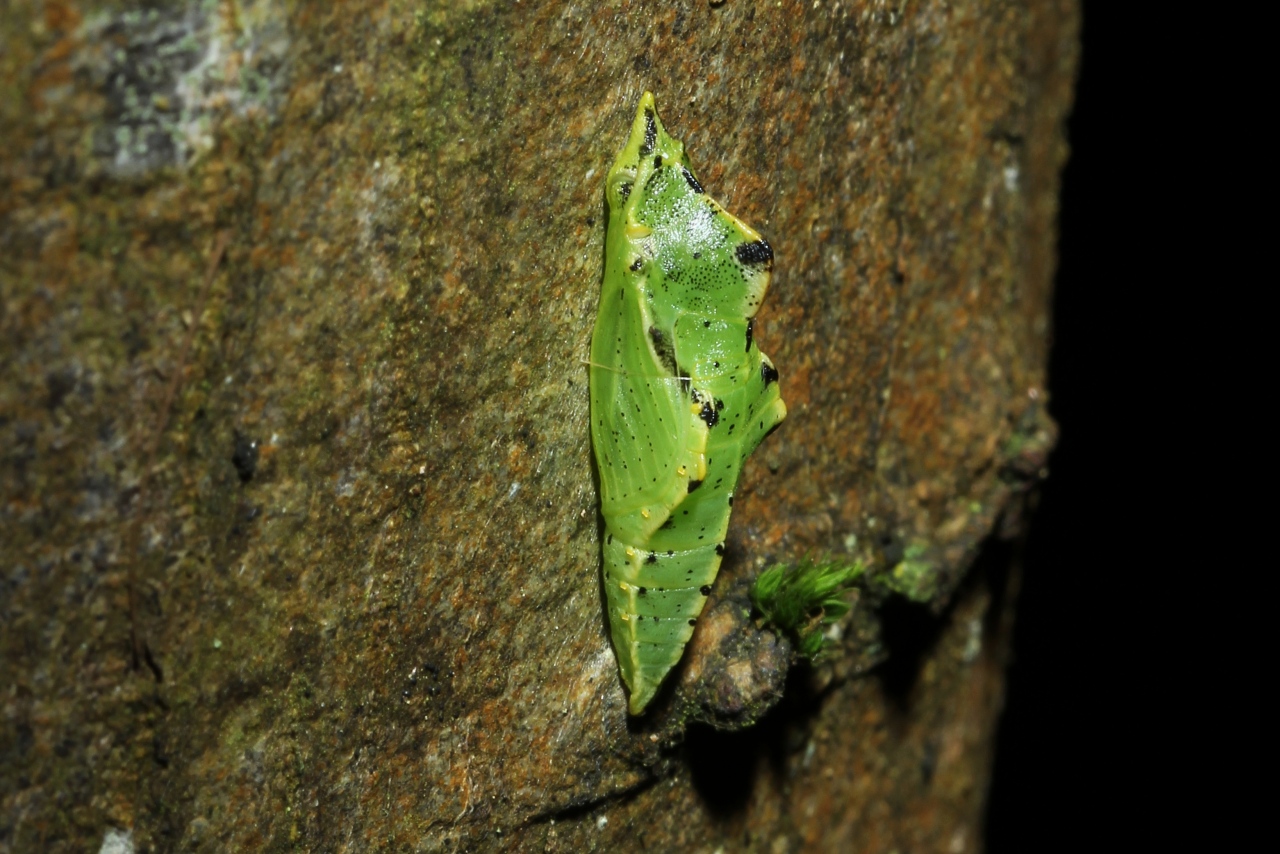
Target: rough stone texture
{"x":298,"y":528}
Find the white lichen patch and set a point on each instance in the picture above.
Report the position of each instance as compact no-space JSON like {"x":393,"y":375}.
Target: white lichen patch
{"x":170,"y":76}
{"x":116,"y":841}
{"x":379,"y":204}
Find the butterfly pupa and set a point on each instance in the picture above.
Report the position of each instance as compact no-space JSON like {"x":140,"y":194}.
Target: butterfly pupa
{"x":680,"y":395}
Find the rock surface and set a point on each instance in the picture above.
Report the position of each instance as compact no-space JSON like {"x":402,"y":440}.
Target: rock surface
{"x":298,"y":527}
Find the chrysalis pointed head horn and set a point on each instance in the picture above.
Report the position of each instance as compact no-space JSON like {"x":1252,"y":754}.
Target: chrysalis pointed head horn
{"x":647,"y":146}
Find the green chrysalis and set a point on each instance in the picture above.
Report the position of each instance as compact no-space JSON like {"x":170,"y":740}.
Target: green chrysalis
{"x":680,"y":395}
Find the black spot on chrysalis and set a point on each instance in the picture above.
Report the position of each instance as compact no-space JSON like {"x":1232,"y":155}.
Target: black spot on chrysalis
{"x":751,"y":331}
{"x":637,"y":264}
{"x":768,"y":373}
{"x":691,"y":181}
{"x":653,"y":558}
{"x":624,"y":191}
{"x":755,"y":252}
{"x":693,"y":484}
{"x":650,"y":133}
{"x":693,"y":622}
{"x":643,"y":590}
{"x":664,"y":349}
{"x":705,"y":590}
{"x":657,"y":162}
{"x":720,"y":548}
{"x":710,"y":413}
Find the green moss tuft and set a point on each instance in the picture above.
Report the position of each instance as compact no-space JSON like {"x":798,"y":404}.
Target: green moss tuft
{"x":802,"y":600}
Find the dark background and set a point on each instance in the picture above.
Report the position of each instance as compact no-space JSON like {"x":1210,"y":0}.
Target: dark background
{"x":1073,"y":770}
